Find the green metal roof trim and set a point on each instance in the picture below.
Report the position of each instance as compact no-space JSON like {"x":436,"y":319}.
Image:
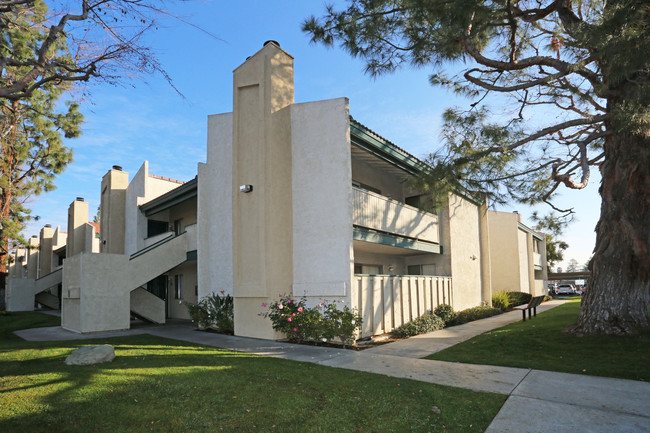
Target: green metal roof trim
{"x":368,"y":140}
{"x":361,"y":136}
{"x":376,"y":237}
{"x":538,"y":235}
{"x":177,"y":195}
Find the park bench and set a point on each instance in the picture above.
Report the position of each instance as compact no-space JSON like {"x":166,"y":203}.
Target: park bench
{"x":532,"y":305}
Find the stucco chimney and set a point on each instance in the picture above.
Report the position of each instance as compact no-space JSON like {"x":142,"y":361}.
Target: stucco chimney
{"x":113,"y":210}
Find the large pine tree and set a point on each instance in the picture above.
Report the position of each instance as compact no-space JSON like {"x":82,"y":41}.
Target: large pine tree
{"x":32,"y":126}
{"x":575,"y":78}
{"x":44,"y":53}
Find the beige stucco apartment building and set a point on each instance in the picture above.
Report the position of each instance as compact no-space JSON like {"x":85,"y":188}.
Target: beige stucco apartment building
{"x":293,"y":198}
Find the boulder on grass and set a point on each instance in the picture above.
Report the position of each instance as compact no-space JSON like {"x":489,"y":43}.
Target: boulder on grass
{"x":89,"y":355}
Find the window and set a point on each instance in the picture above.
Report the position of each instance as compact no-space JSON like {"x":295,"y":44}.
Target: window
{"x":368,"y":269}
{"x":178,"y":226}
{"x":178,"y":286}
{"x":414,"y":270}
{"x":366,"y":187}
{"x":421,"y":269}
{"x":414,"y":201}
{"x":422,"y":202}
{"x":156,"y":227}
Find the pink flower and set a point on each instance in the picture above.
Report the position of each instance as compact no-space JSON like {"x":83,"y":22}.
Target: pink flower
{"x":293,"y":314}
{"x":295,"y":329}
{"x":289,"y":301}
{"x":289,"y":319}
{"x":320,"y":305}
{"x":280,"y":306}
{"x":299,"y":309}
{"x":263,"y":304}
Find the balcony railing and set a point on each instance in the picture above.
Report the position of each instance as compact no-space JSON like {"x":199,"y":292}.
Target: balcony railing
{"x":157,"y":238}
{"x":377,"y":212}
{"x":388,"y":301}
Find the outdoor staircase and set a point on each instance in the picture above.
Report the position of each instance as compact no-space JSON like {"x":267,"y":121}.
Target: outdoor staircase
{"x":147,"y":264}
{"x":23,"y":292}
{"x":48,"y":300}
{"x":147,"y":306}
{"x":156,"y":259}
{"x":101,"y":292}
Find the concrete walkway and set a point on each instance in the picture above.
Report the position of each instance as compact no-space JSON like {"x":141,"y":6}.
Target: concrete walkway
{"x":538,"y":401}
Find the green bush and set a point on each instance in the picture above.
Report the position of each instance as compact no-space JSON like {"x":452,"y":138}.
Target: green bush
{"x":220,"y":309}
{"x":445,"y":312}
{"x":519,"y":298}
{"x":214,"y":312}
{"x":199,"y":314}
{"x":475,"y":313}
{"x":501,"y":300}
{"x":340,"y":324}
{"x":421,"y":325}
{"x":324,"y":322}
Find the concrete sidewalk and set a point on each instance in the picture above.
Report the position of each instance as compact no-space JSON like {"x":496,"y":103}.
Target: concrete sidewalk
{"x":539,"y":401}
{"x":422,"y":345}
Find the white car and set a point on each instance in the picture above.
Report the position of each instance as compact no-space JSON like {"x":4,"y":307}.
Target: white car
{"x":565,"y":289}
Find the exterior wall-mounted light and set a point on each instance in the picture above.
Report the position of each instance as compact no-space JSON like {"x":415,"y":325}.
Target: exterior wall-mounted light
{"x":245,"y":188}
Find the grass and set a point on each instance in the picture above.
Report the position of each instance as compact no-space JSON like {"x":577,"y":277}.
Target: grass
{"x":163,"y":385}
{"x":540,"y":344}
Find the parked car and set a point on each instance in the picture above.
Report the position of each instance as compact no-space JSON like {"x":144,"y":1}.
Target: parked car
{"x":566,"y":289}
{"x":551,"y":288}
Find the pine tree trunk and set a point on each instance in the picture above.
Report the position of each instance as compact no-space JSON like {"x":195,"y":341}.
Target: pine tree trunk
{"x":618,"y":294}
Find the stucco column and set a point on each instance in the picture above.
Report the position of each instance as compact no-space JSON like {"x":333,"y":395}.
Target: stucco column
{"x":32,"y":259}
{"x":113,"y":211}
{"x":531,"y":263}
{"x":486,"y":268}
{"x":261,"y":211}
{"x":77,"y":219}
{"x":45,"y":251}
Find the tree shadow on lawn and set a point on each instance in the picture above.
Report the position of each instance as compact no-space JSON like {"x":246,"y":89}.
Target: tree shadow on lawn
{"x":540,"y":343}
{"x":163,"y":385}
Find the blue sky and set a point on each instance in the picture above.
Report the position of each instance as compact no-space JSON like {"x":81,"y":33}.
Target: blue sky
{"x":149,"y":120}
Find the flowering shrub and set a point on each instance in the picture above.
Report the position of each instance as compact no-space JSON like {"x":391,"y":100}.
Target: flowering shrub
{"x":321,"y":323}
{"x":215,"y":312}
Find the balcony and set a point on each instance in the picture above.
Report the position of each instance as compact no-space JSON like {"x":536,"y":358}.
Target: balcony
{"x":377,"y":212}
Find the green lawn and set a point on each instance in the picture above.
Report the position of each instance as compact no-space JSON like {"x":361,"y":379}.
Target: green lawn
{"x":540,"y":344}
{"x":163,"y":385}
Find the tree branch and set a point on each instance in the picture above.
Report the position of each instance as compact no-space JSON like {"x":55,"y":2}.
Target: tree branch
{"x":563,"y":67}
